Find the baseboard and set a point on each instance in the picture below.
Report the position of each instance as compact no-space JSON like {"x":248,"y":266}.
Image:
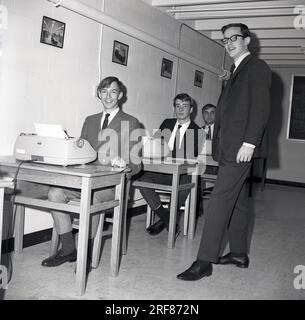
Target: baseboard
{"x":286,"y":183}
{"x":29,"y":240}
{"x":280,"y":182}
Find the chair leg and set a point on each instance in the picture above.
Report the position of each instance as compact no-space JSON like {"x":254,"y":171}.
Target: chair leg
{"x":264,"y":174}
{"x":251,"y":179}
{"x":54,"y":242}
{"x":124,"y":241}
{"x":149,"y":217}
{"x":97,"y":245}
{"x":186,"y":215}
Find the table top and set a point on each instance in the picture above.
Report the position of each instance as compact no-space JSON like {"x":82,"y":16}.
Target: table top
{"x":84,"y":170}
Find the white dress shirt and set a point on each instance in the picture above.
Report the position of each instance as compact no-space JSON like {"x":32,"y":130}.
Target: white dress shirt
{"x":183,"y":128}
{"x":111,"y":116}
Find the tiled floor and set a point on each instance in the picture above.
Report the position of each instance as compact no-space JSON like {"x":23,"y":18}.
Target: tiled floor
{"x":149,"y":269}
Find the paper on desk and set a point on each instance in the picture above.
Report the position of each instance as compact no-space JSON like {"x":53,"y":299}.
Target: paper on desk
{"x":50,"y":130}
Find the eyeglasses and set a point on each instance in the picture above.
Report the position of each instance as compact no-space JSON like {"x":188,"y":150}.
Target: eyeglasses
{"x":232,"y":38}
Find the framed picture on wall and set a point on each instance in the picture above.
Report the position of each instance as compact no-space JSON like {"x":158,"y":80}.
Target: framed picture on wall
{"x":296,"y":116}
{"x":198,"y":79}
{"x":166,"y":68}
{"x":120,"y":53}
{"x":52,"y":32}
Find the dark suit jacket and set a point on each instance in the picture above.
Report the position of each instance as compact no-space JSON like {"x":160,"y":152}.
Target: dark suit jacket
{"x":115,"y":140}
{"x":243,"y":110}
{"x":192,"y":141}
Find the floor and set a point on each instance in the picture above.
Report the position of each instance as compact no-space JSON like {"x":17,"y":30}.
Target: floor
{"x":149,"y":269}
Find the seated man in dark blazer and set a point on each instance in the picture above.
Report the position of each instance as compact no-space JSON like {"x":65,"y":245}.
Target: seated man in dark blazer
{"x":114,"y":126}
{"x":184,"y":138}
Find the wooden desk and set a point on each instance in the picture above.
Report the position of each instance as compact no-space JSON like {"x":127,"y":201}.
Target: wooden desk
{"x":175,"y":167}
{"x":83,"y":177}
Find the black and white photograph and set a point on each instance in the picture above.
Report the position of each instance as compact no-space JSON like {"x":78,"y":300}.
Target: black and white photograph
{"x":198,"y":79}
{"x":52,"y":32}
{"x":152,"y":155}
{"x":120,"y":53}
{"x":166,"y":68}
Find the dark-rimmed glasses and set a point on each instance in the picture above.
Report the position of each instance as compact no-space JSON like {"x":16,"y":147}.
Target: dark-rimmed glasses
{"x":233,"y":38}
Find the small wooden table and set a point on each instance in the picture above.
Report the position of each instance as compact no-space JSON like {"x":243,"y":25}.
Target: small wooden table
{"x":83,"y":177}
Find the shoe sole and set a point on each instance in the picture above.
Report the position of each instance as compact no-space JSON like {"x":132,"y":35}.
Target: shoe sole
{"x":238,"y":265}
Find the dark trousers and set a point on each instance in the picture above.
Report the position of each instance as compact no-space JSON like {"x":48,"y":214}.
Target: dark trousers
{"x":227,"y":210}
{"x":153,"y":198}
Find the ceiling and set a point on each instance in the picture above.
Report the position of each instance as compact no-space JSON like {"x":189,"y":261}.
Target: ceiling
{"x":278,"y":26}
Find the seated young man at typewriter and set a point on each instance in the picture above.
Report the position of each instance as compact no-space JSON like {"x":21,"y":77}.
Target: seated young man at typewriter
{"x":111,"y":123}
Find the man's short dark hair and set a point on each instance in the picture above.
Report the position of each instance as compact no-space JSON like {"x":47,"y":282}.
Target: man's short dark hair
{"x":184,"y":97}
{"x":208,"y":106}
{"x":243,"y":28}
{"x":106,"y":83}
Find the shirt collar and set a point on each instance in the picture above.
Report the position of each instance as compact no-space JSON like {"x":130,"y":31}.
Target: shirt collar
{"x":184,"y":125}
{"x":240,"y":59}
{"x":112,"y":114}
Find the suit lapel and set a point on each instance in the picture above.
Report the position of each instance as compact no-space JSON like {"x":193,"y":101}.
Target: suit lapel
{"x":239,"y":68}
{"x":231,"y":81}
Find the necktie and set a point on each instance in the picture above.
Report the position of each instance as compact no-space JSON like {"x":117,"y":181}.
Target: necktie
{"x":105,"y":123}
{"x":209,"y":134}
{"x":176,"y":141}
{"x":232,"y":70}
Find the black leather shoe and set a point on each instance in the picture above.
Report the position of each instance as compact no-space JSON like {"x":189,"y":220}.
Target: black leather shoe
{"x":196,"y":271}
{"x":59,"y":258}
{"x":156,"y":228}
{"x":241,"y":261}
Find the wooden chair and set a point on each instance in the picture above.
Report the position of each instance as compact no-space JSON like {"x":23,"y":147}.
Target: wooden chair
{"x":164,"y":192}
{"x":104,"y":217}
{"x":165,"y":198}
{"x":263,"y":161}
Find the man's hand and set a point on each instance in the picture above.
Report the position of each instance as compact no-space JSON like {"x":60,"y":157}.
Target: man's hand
{"x":244,"y":154}
{"x":118,"y":162}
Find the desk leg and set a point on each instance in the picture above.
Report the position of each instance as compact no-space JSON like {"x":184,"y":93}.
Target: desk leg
{"x":117,"y":229}
{"x":173,"y":210}
{"x":1,"y":218}
{"x":193,"y":206}
{"x":19,"y":228}
{"x":82,"y":248}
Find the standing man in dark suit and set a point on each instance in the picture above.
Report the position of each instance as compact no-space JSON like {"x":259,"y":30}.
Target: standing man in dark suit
{"x":241,"y":118}
{"x":184,"y":138}
{"x":110,"y":134}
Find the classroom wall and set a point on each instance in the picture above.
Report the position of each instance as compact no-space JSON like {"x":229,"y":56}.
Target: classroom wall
{"x":43,"y":84}
{"x":150,"y":96}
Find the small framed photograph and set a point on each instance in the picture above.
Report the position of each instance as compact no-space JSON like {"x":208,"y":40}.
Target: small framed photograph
{"x":166,"y":68}
{"x":120,"y":53}
{"x":52,"y":32}
{"x":198,"y":79}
